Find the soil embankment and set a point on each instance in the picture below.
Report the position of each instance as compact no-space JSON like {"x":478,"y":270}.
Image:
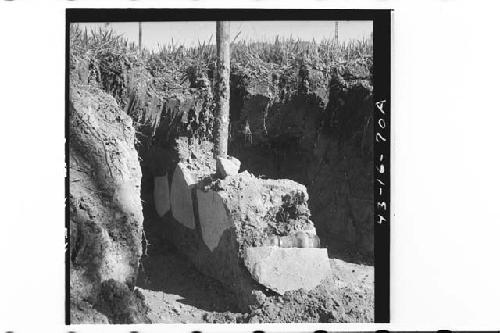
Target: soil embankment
{"x":105,"y":210}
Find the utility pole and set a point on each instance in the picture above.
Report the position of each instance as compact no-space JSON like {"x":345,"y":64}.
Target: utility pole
{"x":140,"y":36}
{"x":336,"y":32}
{"x":221,"y":123}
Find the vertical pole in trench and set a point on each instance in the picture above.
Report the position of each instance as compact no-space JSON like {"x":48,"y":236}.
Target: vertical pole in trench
{"x":221,"y":119}
{"x":140,"y":36}
{"x":336,"y":32}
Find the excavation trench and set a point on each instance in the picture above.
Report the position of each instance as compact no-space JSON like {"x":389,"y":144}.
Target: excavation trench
{"x":236,"y":231}
{"x":320,"y":136}
{"x":318,"y":139}
{"x":209,"y":243}
{"x":246,"y":232}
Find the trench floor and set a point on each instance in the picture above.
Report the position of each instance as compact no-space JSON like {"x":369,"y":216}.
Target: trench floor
{"x":176,"y":292}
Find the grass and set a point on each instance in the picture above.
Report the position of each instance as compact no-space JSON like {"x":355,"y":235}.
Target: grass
{"x":140,"y":79}
{"x":283,"y":52}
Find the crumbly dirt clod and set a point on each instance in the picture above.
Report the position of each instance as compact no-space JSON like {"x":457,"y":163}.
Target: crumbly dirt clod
{"x":121,"y":305}
{"x":261,"y":208}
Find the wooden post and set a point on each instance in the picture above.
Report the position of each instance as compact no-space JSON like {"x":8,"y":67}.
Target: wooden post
{"x":140,"y":35}
{"x":221,"y":123}
{"x":336,"y":32}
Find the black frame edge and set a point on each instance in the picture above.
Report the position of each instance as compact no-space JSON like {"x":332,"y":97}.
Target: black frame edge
{"x":382,"y":158}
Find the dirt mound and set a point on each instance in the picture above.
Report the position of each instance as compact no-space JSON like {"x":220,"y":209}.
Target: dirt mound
{"x":332,"y":301}
{"x":104,"y":200}
{"x":121,"y":305}
{"x":346,"y":297}
{"x":262,"y":208}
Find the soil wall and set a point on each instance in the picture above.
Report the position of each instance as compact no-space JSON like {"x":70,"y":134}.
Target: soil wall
{"x":316,"y":130}
{"x":105,"y":210}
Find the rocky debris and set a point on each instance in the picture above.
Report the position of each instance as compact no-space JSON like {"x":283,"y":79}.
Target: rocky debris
{"x":260,"y":208}
{"x":162,"y":195}
{"x":83,"y":312}
{"x":286,"y":269}
{"x":345,"y":296}
{"x":227,"y":166}
{"x":104,"y":197}
{"x":196,"y":157}
{"x":121,"y":305}
{"x":329,"y":302}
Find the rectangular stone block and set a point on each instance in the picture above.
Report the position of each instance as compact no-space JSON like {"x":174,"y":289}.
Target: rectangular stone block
{"x":287,"y":269}
{"x":214,"y":217}
{"x":162,"y":195}
{"x":181,"y":196}
{"x":227,"y":166}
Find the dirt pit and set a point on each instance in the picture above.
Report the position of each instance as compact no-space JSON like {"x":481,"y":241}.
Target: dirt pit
{"x":177,"y":288}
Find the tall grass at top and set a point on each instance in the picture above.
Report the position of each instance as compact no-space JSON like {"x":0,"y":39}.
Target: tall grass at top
{"x":282,"y":52}
{"x":140,"y":79}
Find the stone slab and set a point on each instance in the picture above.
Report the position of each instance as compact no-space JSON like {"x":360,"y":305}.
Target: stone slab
{"x":287,"y":269}
{"x":162,"y":195}
{"x":214,"y":217}
{"x":181,"y":196}
{"x":227,"y":166}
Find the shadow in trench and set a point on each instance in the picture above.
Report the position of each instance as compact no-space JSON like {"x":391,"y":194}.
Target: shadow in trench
{"x":262,"y":161}
{"x":343,"y":250}
{"x":172,"y":273}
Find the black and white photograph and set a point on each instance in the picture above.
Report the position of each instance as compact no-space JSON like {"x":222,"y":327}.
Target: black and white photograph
{"x":222,"y":171}
{"x":249,"y":166}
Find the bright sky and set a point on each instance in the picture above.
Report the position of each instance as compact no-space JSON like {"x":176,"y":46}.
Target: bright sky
{"x":189,"y":33}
